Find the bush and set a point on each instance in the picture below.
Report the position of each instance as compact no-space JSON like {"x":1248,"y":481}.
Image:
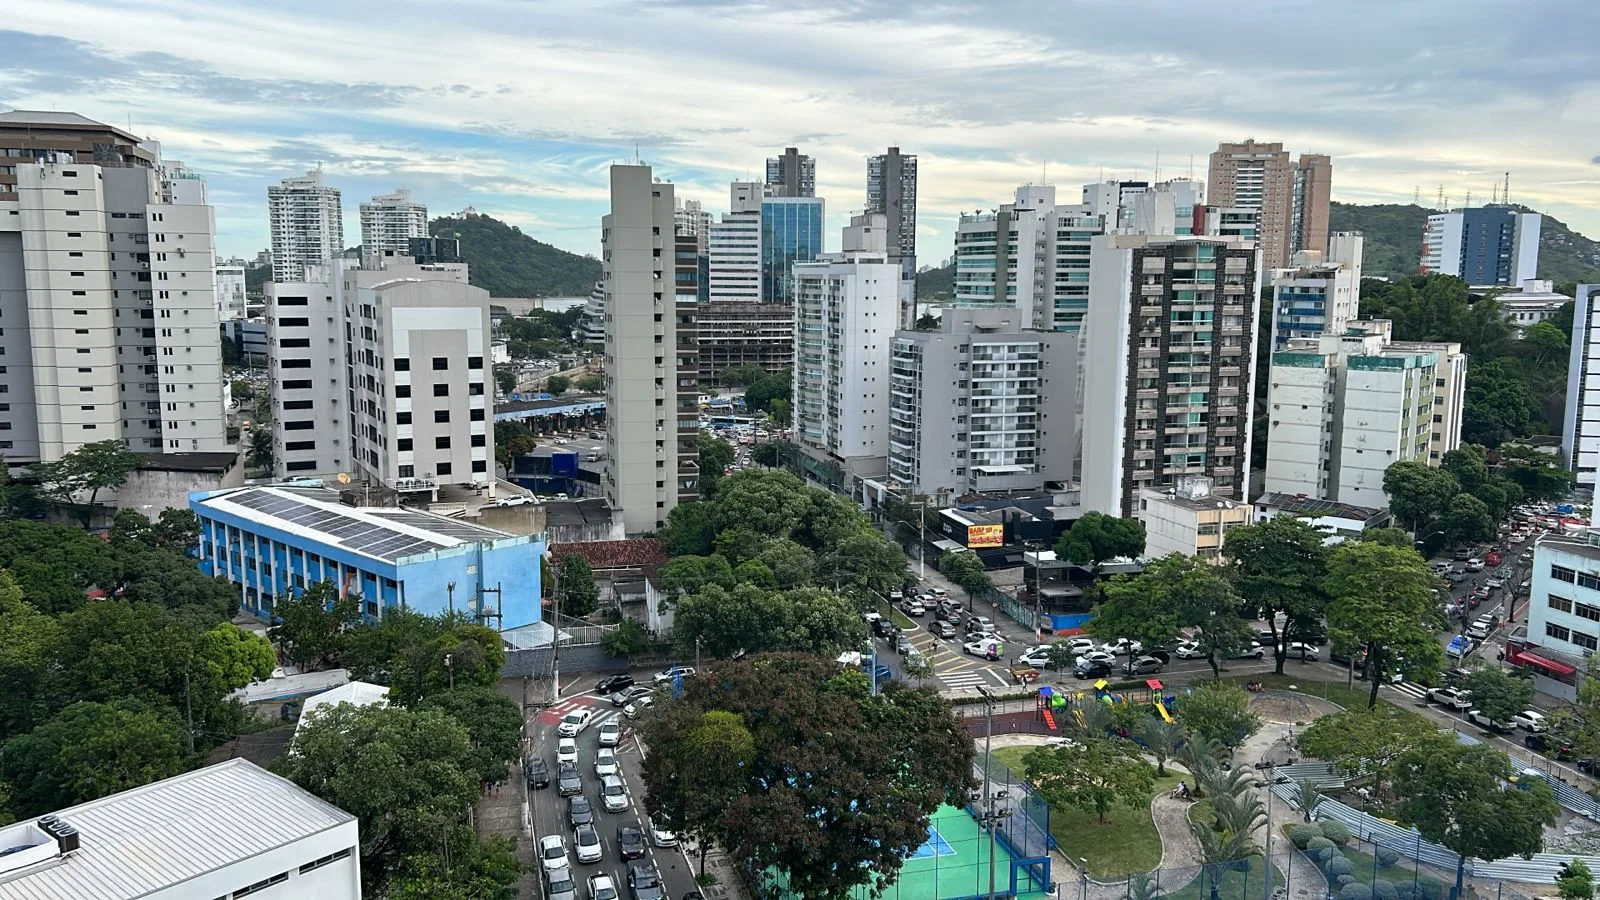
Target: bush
{"x":1343,"y":880}
{"x":1404,"y":891}
{"x":1320,"y":849}
{"x":1384,"y":890}
{"x":1428,"y":889}
{"x":1303,"y":835}
{"x":1355,"y":891}
{"x":1335,"y":831}
{"x":1387,"y":857}
{"x":1339,"y":865}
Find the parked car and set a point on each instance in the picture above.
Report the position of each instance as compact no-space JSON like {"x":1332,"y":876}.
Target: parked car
{"x":514,"y":500}
{"x":568,"y":781}
{"x":1492,"y":559}
{"x":1123,"y":647}
{"x":1479,"y":629}
{"x":1080,"y":645}
{"x":911,"y":606}
{"x":673,"y":673}
{"x":553,"y":852}
{"x":1100,"y":656}
{"x":613,"y":794}
{"x":1456,"y":575}
{"x":979,"y":623}
{"x":567,"y":750}
{"x":1455,"y":698}
{"x":537,"y":773}
{"x":610,"y":733}
{"x":1158,"y":653}
{"x":884,"y":628}
{"x":1144,"y":665}
{"x":637,"y":707}
{"x":660,"y":837}
{"x":605,"y":762}
{"x":579,"y":812}
{"x":1552,"y":745}
{"x":1190,"y":650}
{"x":601,"y":887}
{"x":988,"y":648}
{"x":586,"y":844}
{"x":1301,"y":651}
{"x":573,"y":723}
{"x":1531,"y":720}
{"x":1476,"y":717}
{"x":1474,"y":565}
{"x":1254,"y":651}
{"x":942,"y":629}
{"x":630,"y":842}
{"x":1038,"y":657}
{"x":949,"y":614}
{"x":902,"y":644}
{"x":613,"y":683}
{"x":1087,"y":668}
{"x":1459,"y":647}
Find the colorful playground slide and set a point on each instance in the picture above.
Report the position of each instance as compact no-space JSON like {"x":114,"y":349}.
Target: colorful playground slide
{"x":1161,"y":705}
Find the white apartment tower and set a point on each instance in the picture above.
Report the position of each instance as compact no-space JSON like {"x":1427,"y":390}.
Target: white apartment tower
{"x":1320,"y":294}
{"x":388,"y":223}
{"x":108,"y":293}
{"x":846,"y":312}
{"x":1344,"y":407}
{"x":982,"y":404}
{"x":690,"y":218}
{"x":231,"y":296}
{"x":1168,"y":372}
{"x":650,"y":354}
{"x":734,"y":247}
{"x":1580,"y":431}
{"x":1044,"y":258}
{"x":307,"y":225}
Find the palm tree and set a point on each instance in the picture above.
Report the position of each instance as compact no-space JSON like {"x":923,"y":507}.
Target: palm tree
{"x":1200,"y":756}
{"x":1219,"y":849}
{"x":1161,"y":738}
{"x":1238,"y":810}
{"x":1096,"y":718}
{"x":1144,"y":886}
{"x":1307,"y":797}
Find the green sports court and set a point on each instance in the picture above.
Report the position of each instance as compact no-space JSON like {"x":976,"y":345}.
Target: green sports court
{"x":954,"y":865}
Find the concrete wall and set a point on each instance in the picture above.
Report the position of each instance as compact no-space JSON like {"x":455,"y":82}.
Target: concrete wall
{"x":536,"y":663}
{"x":152,"y":490}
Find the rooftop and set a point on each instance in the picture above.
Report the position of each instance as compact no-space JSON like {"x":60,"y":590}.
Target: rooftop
{"x":635,"y":553}
{"x":46,"y":118}
{"x":381,"y":533}
{"x":189,"y":462}
{"x":142,"y":841}
{"x":1304,"y":505}
{"x":553,"y":403}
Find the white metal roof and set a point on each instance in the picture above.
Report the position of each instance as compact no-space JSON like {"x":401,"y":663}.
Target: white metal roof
{"x":356,"y":693}
{"x":156,"y":836}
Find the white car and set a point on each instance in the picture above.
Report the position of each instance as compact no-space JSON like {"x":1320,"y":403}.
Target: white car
{"x":613,"y":795}
{"x":1039,"y":659}
{"x":1098,"y":656}
{"x":1190,"y":650}
{"x":1474,"y":565}
{"x":586,"y":844}
{"x":567,"y":751}
{"x":1301,"y":651}
{"x":988,"y":648}
{"x":660,"y":837}
{"x":605,"y":762}
{"x":1455,"y":698}
{"x":1494,"y":584}
{"x":673,"y":673}
{"x":1531,"y":720}
{"x":610,"y":733}
{"x":1254,"y":651}
{"x":514,"y":500}
{"x":632,"y":710}
{"x":1122,"y":647}
{"x":1477,"y":718}
{"x":601,"y":887}
{"x":562,"y":440}
{"x":1080,"y":645}
{"x":553,"y":852}
{"x":573,"y":723}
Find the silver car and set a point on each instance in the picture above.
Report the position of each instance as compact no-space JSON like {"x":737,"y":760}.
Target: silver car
{"x":613,"y":795}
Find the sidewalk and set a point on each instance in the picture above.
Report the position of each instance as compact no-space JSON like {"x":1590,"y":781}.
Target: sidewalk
{"x":502,"y":812}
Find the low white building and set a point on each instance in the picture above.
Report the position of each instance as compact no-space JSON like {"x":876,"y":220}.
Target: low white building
{"x":1320,"y":294}
{"x":1187,"y":519}
{"x":1563,"y":629}
{"x":1533,"y":302}
{"x":229,"y":830}
{"x":1339,"y":520}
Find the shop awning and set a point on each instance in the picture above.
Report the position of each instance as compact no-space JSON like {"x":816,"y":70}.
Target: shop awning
{"x":1540,"y":662}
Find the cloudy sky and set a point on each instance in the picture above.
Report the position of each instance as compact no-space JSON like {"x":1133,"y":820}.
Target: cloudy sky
{"x":516,"y":107}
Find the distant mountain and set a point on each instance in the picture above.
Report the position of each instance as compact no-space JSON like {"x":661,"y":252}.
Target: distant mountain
{"x":1393,"y":247}
{"x":937,"y":284}
{"x":507,"y":263}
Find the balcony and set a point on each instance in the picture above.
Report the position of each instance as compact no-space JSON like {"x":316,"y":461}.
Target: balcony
{"x":407,"y":485}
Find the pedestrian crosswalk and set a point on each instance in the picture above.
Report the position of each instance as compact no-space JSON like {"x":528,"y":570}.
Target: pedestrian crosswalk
{"x":1411,"y":690}
{"x":966,"y":679}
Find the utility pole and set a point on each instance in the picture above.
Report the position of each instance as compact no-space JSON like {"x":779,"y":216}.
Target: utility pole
{"x":450,"y":667}
{"x":555,"y":639}
{"x":922,"y":540}
{"x":989,"y":818}
{"x":697,"y":640}
{"x":450,"y":589}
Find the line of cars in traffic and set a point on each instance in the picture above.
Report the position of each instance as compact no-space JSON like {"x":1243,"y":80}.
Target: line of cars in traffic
{"x":1535,"y":725}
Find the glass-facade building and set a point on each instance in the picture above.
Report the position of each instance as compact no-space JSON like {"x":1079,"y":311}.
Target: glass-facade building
{"x":791,"y":232}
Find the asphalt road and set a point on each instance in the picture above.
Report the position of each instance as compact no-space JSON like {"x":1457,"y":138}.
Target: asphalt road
{"x":548,"y":810}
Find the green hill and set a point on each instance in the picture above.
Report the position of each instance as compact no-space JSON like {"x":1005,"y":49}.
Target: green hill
{"x":1393,"y":235}
{"x":936,"y":284}
{"x":507,"y":263}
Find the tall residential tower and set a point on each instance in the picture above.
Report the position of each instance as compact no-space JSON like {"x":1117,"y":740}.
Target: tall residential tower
{"x":792,"y":175}
{"x":1292,"y":197}
{"x":388,"y":224}
{"x":307,"y":225}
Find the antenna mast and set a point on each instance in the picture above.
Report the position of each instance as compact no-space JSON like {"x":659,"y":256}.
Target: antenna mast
{"x":1506,"y":194}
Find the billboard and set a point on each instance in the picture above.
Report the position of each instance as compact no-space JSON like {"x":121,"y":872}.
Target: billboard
{"x":986,"y":536}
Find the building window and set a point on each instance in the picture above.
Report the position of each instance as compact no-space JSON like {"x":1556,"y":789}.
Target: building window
{"x":330,"y":858}
{"x":474,"y":362}
{"x":408,"y":471}
{"x":1556,"y":631}
{"x":1586,"y":641}
{"x":1590,"y":612}
{"x":441,"y":363}
{"x":442,"y":442}
{"x":403,"y":444}
{"x":1588,"y":580}
{"x":275,"y":880}
{"x":1562,"y":573}
{"x":1560,"y":604}
{"x":402,"y":364}
{"x":402,"y":418}
{"x":476,"y":415}
{"x":475,"y":389}
{"x":441,"y":390}
{"x":441,"y":415}
{"x":402,"y":390}
{"x":477,"y":440}
{"x":479,"y":465}
{"x":442,"y":468}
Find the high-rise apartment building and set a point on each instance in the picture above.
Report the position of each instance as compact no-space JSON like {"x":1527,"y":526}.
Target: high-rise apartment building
{"x":986,"y":403}
{"x":307,"y":375}
{"x":1580,"y":425}
{"x":734,"y":256}
{"x":792,"y":175}
{"x":739,"y":334}
{"x":1345,"y":406}
{"x":107,"y":295}
{"x":846,"y":310}
{"x":231,"y":302}
{"x":651,"y":356}
{"x":690,"y":218}
{"x":1168,"y":372}
{"x":791,"y":232}
{"x":1042,"y":266}
{"x":1292,"y":198}
{"x":307,"y":223}
{"x":892,"y":193}
{"x":388,"y":223}
{"x":1320,"y":294}
{"x":1138,"y":207}
{"x":1483,"y":246}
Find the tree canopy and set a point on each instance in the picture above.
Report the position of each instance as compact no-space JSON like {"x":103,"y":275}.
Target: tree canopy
{"x":753,"y":619}
{"x":1097,"y":537}
{"x":1094,"y":774}
{"x":1381,"y":598}
{"x":1279,"y":566}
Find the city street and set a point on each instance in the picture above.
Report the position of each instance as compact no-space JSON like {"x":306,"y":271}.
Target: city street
{"x":547,"y":810}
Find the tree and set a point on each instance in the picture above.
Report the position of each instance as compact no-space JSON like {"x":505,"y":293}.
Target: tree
{"x":758,"y":396}
{"x":927,"y":322}
{"x":1061,"y":655}
{"x":28,"y":647}
{"x":918,"y":666}
{"x":313,"y":624}
{"x":966,"y":571}
{"x":505,"y":379}
{"x":750,"y":619}
{"x":709,"y":755}
{"x":1279,"y":565}
{"x":556,"y":385}
{"x":1417,"y":491}
{"x":762,"y":501}
{"x":1381,"y":598}
{"x":92,"y":468}
{"x":838,"y":786}
{"x":404,"y":774}
{"x":1544,"y":343}
{"x":790,"y":563}
{"x":1219,"y":712}
{"x":462,"y":656}
{"x":716,"y":455}
{"x":742,"y":375}
{"x":1389,"y":536}
{"x":1539,"y":475}
{"x":1307,"y":797}
{"x":1467,"y":464}
{"x":371,"y":651}
{"x":864,"y":563}
{"x":1161,"y":740}
{"x":87,"y":751}
{"x":469,"y":869}
{"x":1140,"y":607}
{"x":590,"y":384}
{"x":230,"y":657}
{"x":1467,"y":520}
{"x":579,"y":596}
{"x":689,"y":530}
{"x":493,"y":723}
{"x":1575,"y":882}
{"x":692,"y":574}
{"x":765,"y":454}
{"x":1364,"y":742}
{"x":261,"y":452}
{"x":1499,"y":695}
{"x":1451,"y":793}
{"x":1097,"y":537}
{"x":1499,"y":405}
{"x":780,"y":413}
{"x":628,"y":638}
{"x":1095,"y":773}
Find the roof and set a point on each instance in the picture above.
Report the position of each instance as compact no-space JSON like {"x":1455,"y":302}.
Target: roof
{"x":53,"y":119}
{"x":153,"y":837}
{"x":590,"y":511}
{"x":382,"y":533}
{"x":190,"y":462}
{"x":282,"y":687}
{"x":1303,"y":505}
{"x":565,"y":400}
{"x":355,"y":693}
{"x":636,"y":553}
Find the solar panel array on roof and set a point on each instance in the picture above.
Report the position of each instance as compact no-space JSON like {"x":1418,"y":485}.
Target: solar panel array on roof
{"x":348,"y":531}
{"x":463,"y":530}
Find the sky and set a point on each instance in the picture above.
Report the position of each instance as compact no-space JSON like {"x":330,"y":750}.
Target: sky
{"x":517,"y":107}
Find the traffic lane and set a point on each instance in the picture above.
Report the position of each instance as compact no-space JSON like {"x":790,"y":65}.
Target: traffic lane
{"x":549,"y":812}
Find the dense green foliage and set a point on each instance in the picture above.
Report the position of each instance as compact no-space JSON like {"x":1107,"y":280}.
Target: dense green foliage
{"x":1278,"y":566}
{"x":1381,"y":598}
{"x":936,"y":284}
{"x":1393,"y":246}
{"x":507,"y":263}
{"x":540,"y":334}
